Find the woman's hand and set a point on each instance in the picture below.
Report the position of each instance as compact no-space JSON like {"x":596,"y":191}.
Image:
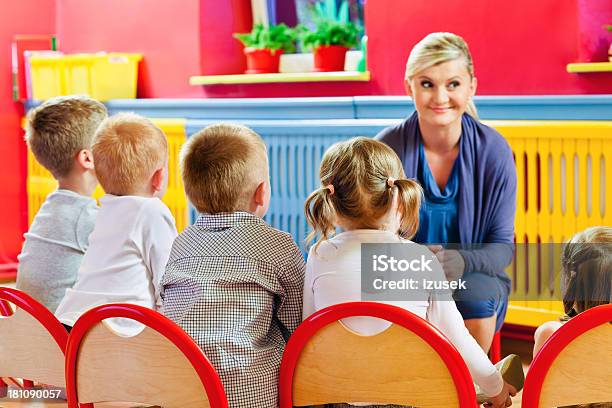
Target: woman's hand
{"x":502,"y":399}
{"x":451,"y":260}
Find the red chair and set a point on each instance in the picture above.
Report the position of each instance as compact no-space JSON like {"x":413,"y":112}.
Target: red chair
{"x":32,"y":340}
{"x":495,"y":351}
{"x":161,"y":365}
{"x":5,"y":310}
{"x":410,"y":363}
{"x":575,"y":365}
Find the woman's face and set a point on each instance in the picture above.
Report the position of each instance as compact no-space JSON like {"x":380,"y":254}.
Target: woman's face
{"x":441,"y":93}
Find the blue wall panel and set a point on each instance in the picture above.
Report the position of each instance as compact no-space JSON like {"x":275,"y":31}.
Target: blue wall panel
{"x":234,"y":109}
{"x":553,"y":107}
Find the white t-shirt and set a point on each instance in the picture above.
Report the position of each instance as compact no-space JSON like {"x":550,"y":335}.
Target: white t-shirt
{"x":127,"y":255}
{"x":333,"y":275}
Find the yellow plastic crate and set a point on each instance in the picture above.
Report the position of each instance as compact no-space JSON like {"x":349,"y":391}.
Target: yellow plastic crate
{"x":40,"y":182}
{"x":102,"y":76}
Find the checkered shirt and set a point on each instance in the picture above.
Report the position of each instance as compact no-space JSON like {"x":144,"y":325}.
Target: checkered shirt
{"x":234,"y":284}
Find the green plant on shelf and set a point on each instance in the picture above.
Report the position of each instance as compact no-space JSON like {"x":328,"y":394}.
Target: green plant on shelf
{"x":274,"y":37}
{"x":332,"y":26}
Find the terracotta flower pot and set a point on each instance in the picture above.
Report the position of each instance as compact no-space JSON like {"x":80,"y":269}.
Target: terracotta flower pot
{"x":329,"y":58}
{"x":262,"y":61}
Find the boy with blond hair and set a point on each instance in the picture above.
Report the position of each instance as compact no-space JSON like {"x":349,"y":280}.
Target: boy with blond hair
{"x":131,"y":240}
{"x":232,"y":282}
{"x":60,"y":133}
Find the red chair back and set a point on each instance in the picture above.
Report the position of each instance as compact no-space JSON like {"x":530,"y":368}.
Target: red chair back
{"x":575,"y":365}
{"x":29,"y":335}
{"x":410,"y":363}
{"x":5,"y":308}
{"x":161,"y":365}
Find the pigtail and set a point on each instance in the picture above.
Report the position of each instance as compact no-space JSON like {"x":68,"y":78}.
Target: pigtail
{"x":410,"y":196}
{"x":569,"y":295}
{"x":319,"y":212}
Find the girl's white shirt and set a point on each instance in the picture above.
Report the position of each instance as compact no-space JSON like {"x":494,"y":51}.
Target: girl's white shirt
{"x":333,"y":275}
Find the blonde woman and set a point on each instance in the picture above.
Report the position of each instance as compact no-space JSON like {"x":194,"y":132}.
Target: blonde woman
{"x":468,"y":177}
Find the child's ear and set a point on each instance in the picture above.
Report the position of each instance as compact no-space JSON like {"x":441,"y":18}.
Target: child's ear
{"x":157,"y":181}
{"x":259,"y":197}
{"x":85,"y":159}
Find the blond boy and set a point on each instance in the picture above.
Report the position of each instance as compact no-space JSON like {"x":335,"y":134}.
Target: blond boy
{"x":60,"y":133}
{"x":131,"y":240}
{"x":232,"y":282}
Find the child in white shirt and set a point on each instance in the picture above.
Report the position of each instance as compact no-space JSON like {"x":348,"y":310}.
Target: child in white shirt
{"x":134,"y":231}
{"x":366,"y":194}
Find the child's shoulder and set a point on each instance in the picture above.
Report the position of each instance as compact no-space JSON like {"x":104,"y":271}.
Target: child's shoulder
{"x":548,"y":328}
{"x":154,"y":205}
{"x":254,"y":239}
{"x":263,"y":239}
{"x":64,"y":206}
{"x":148,"y":207}
{"x":68,"y":198}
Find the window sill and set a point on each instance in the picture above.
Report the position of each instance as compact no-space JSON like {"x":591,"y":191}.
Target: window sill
{"x":583,"y":67}
{"x":280,"y":78}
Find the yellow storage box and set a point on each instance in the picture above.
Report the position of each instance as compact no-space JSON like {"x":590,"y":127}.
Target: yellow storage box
{"x":102,"y":76}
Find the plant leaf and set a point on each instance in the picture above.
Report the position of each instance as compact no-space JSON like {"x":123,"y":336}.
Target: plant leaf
{"x":343,"y":15}
{"x":330,"y":9}
{"x":275,"y":37}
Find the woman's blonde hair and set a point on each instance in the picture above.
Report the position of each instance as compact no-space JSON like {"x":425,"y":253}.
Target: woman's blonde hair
{"x":438,"y":48}
{"x":587,"y":270}
{"x":358,"y":178}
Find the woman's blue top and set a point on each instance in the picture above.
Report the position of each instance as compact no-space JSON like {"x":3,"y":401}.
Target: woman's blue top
{"x":487,"y":197}
{"x":438,"y":222}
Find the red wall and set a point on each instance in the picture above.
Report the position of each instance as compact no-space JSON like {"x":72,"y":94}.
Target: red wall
{"x":21,"y":17}
{"x":519,"y":47}
{"x":165,"y":31}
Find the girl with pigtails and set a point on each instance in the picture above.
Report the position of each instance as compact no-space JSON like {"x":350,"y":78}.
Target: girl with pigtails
{"x":365,"y":193}
{"x":586,"y":274}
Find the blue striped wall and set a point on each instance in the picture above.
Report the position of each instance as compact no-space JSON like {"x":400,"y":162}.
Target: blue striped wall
{"x":553,"y":107}
{"x":298,"y":130}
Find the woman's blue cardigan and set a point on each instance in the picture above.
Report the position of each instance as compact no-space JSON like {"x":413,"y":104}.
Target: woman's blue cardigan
{"x":487,"y":190}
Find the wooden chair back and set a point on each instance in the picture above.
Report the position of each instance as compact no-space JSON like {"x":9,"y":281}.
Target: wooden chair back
{"x":159,"y":366}
{"x":32,"y":341}
{"x":575,"y":365}
{"x":410,"y":363}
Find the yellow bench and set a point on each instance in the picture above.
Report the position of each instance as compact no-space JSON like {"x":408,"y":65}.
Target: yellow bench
{"x":564,"y":186}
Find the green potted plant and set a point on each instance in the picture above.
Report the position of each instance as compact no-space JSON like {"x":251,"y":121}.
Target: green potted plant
{"x":264,"y":46}
{"x":334,"y":34}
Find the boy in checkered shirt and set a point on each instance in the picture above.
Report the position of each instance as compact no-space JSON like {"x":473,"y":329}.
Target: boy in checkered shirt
{"x":232,"y":282}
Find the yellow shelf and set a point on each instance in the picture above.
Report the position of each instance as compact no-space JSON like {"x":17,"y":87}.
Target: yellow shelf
{"x":590,"y":67}
{"x":281,"y":77}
